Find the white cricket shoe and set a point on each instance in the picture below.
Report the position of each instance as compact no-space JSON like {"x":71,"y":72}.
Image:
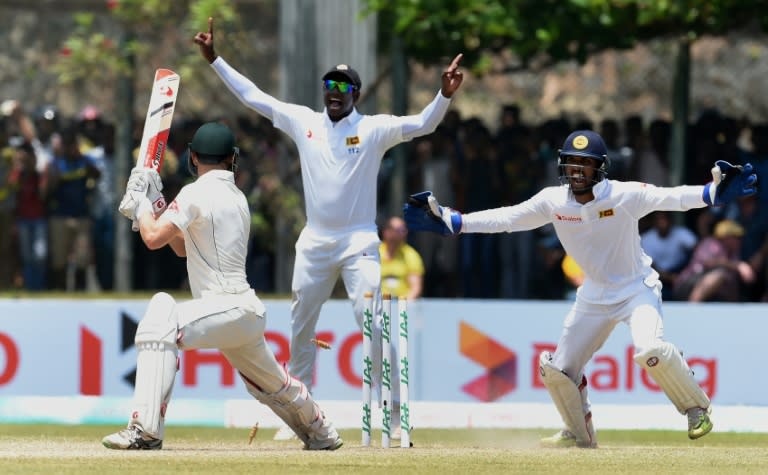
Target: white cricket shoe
{"x":285,"y":433}
{"x":131,"y":438}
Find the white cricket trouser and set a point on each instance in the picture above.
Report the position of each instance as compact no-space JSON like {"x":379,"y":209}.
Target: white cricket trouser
{"x":320,"y":260}
{"x":235,"y":326}
{"x":587,"y":326}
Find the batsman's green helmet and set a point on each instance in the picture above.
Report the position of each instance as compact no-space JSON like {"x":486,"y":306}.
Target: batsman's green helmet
{"x":213,"y":139}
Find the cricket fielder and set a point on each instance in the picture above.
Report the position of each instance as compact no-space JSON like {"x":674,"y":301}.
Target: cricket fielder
{"x":208,"y":222}
{"x":340,"y":152}
{"x":596,"y":220}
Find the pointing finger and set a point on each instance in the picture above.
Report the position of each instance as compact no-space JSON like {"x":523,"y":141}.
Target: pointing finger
{"x":210,"y":25}
{"x":455,"y":62}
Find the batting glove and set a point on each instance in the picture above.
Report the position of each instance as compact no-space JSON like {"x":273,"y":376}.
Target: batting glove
{"x":154,"y":190}
{"x":133,"y":204}
{"x":422,"y":212}
{"x":143,"y":191}
{"x":137,"y":180}
{"x":729,"y":182}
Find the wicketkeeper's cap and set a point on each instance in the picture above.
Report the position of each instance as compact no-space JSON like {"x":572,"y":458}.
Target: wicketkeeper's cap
{"x":213,"y":138}
{"x":346,"y":73}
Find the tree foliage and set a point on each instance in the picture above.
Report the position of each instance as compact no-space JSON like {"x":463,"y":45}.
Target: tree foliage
{"x":547,"y":31}
{"x":89,"y":52}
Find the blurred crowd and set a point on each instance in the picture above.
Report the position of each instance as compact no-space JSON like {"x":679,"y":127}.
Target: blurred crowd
{"x":59,"y":193}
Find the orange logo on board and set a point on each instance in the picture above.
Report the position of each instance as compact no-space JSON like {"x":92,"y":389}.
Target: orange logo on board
{"x":500,"y":363}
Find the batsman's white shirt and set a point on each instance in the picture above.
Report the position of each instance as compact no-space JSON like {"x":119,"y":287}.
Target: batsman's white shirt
{"x":213,"y":214}
{"x":602,"y":236}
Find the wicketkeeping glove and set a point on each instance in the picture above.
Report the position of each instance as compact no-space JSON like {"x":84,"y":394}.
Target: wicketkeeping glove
{"x":422,"y":212}
{"x":729,"y":182}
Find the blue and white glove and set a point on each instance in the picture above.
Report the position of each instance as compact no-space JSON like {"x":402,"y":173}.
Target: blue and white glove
{"x":729,"y":182}
{"x":423,"y":213}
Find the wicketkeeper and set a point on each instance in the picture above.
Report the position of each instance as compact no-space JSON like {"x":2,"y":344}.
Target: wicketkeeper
{"x":596,"y":220}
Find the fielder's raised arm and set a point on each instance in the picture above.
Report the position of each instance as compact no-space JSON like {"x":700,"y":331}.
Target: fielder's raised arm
{"x":452,"y":77}
{"x":205,"y":41}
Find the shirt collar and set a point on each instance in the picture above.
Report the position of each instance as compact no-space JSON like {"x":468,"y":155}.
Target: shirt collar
{"x":600,"y":189}
{"x":218,"y":175}
{"x":352,"y":118}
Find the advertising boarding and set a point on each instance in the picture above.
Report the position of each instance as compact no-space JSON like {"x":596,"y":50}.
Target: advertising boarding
{"x":459,"y":350}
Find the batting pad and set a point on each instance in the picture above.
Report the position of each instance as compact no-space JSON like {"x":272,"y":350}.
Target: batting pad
{"x":671,"y":372}
{"x":295,"y":406}
{"x":567,"y":398}
{"x":156,"y":364}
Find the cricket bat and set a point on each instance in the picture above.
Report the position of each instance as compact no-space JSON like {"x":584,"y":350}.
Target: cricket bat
{"x":157,"y":125}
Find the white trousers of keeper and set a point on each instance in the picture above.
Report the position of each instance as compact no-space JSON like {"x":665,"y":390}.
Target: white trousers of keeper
{"x":587,"y":326}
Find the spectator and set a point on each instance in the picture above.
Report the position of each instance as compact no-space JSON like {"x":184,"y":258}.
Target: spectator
{"x":436,"y":166}
{"x":621,"y":157}
{"x":670,"y":246}
{"x":651,"y":164}
{"x":482,"y":188}
{"x":31,"y":219}
{"x":716,"y":272}
{"x":47,"y":127}
{"x":68,"y":180}
{"x":402,"y":270}
{"x":547,"y":281}
{"x":574,"y":275}
{"x":7,"y":205}
{"x":97,"y":143}
{"x":518,"y":174}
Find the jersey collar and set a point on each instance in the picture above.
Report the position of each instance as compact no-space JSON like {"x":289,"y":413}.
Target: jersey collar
{"x":352,"y":118}
{"x":218,"y":175}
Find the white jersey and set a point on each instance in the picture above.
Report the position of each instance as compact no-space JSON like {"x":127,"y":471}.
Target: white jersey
{"x":214,"y":216}
{"x":339,"y":161}
{"x":602,"y":236}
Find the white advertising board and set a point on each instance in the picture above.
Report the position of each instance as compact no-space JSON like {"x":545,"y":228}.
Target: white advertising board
{"x":460,"y":350}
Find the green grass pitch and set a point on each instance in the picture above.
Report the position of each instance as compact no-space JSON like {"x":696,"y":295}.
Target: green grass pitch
{"x":62,"y":449}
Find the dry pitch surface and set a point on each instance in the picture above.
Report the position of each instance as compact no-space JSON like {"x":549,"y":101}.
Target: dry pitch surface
{"x":53,"y":449}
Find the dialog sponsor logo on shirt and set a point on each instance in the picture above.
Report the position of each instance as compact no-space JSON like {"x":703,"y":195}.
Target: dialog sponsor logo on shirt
{"x":573,"y":219}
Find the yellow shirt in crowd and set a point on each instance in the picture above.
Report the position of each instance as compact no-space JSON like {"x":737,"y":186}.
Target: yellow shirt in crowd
{"x":396,"y":269}
{"x":572,"y":271}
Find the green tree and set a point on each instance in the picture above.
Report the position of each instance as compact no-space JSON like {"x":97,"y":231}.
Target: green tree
{"x":541,"y":32}
{"x":147,"y":30}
